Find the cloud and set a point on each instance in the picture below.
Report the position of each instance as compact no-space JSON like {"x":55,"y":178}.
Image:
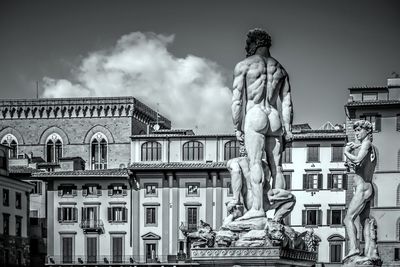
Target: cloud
{"x":191,"y":91}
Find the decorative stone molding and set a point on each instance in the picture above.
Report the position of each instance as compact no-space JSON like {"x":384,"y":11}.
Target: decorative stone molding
{"x":17,"y":134}
{"x":79,"y":108}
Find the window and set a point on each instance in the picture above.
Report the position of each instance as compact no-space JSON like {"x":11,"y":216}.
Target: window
{"x":230,"y":190}
{"x":312,"y":181}
{"x":337,"y":181}
{"x":3,"y":160}
{"x":18,"y":226}
{"x":54,"y":148}
{"x":151,"y":189}
{"x":193,"y":189}
{"x":98,"y":152}
{"x":117,"y":190}
{"x":11,"y":141}
{"x":336,"y":252}
{"x":288,"y":180}
{"x":37,"y":187}
{"x":374,"y":119}
{"x":92,"y":190}
{"x":312,"y":153}
{"x":397,"y":254}
{"x":117,"y":214}
{"x":398,"y":122}
{"x":6,"y":197}
{"x":67,"y":190}
{"x":67,"y":214}
{"x":6,"y":224}
{"x":151,"y":151}
{"x":192,"y":214}
{"x":18,"y":200}
{"x":369,"y":96}
{"x":231,"y":149}
{"x":312,"y":217}
{"x":67,"y":249}
{"x":335,"y":216}
{"x":193,"y":150}
{"x":337,"y":153}
{"x":287,"y":155}
{"x":150,"y":215}
{"x":151,"y":252}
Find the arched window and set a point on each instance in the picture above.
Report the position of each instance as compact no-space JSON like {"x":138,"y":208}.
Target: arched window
{"x":336,"y":247}
{"x":231,"y":150}
{"x":99,"y":151}
{"x":54,"y":148}
{"x":11,"y":141}
{"x":151,"y":151}
{"x":193,"y":150}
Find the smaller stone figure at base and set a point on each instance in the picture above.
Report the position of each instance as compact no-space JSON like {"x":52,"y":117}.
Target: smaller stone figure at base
{"x":363,"y":163}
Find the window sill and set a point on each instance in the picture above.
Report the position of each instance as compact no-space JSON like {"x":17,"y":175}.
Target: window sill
{"x":336,"y":225}
{"x":117,"y":222}
{"x":313,"y":161}
{"x":311,"y":226}
{"x":151,"y":195}
{"x":312,"y":190}
{"x":336,"y":189}
{"x":67,"y":222}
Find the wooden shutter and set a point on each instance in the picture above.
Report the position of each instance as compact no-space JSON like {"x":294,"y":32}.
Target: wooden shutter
{"x":344,"y":182}
{"x":320,"y":186}
{"x":83,"y":214}
{"x":75,"y":215}
{"x":40,"y":188}
{"x":124,"y":213}
{"x":319,"y":217}
{"x":305,"y":181}
{"x":59,"y":213}
{"x":303,"y":217}
{"x":328,"y":217}
{"x":378,"y":123}
{"x":330,"y":181}
{"x":109,"y":212}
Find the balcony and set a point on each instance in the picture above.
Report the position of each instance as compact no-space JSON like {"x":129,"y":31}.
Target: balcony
{"x":92,"y":226}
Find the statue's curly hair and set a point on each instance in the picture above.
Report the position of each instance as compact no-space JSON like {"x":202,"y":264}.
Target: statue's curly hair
{"x":257,"y":38}
{"x":364,"y":124}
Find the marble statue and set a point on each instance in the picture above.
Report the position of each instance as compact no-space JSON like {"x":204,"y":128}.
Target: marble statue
{"x":363,"y":163}
{"x":259,"y":81}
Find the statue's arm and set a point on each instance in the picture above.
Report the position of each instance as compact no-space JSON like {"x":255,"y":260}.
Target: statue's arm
{"x":356,"y":159}
{"x":238,"y":88}
{"x":287,"y":106}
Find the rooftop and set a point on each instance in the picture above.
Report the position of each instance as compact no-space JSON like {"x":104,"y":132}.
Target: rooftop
{"x":178,"y":165}
{"x":84,"y":173}
{"x":367,"y":87}
{"x":372,"y":103}
{"x":23,"y":170}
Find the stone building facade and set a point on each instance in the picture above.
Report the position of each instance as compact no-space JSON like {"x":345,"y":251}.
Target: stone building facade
{"x":96,"y":129}
{"x":381,"y":106}
{"x":14,"y":216}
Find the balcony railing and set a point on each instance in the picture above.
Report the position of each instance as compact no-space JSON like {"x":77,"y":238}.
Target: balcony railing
{"x":112,"y":259}
{"x":92,"y":226}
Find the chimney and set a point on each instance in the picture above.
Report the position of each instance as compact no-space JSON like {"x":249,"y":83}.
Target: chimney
{"x":393,"y":84}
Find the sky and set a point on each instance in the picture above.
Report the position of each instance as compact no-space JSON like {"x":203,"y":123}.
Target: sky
{"x":178,"y":56}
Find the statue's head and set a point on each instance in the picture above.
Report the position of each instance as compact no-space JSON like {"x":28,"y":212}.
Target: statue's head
{"x":257,"y":38}
{"x":363,"y":129}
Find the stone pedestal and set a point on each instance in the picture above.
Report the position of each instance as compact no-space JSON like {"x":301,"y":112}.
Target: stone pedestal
{"x":252,"y":256}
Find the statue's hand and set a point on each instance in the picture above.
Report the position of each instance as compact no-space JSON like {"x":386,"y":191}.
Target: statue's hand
{"x":351,"y":146}
{"x":288,"y":137}
{"x":239,"y":135}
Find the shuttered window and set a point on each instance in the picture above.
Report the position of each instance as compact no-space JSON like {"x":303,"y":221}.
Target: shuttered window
{"x":67,"y":252}
{"x":231,"y":150}
{"x":150,"y":215}
{"x":67,"y":214}
{"x":312,"y":153}
{"x":117,"y":249}
{"x":117,"y":214}
{"x":312,"y":181}
{"x":312,"y":217}
{"x":91,"y":249}
{"x":193,"y":151}
{"x":336,"y":252}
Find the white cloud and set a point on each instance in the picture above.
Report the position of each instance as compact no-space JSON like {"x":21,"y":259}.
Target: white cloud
{"x":191,"y":90}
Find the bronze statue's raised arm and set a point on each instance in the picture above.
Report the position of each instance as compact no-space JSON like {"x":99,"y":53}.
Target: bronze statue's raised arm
{"x":287,"y":106}
{"x":238,"y":88}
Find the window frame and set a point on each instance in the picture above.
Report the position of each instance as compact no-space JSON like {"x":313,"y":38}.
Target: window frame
{"x":318,"y":216}
{"x":18,"y":200}
{"x":306,"y":181}
{"x":111,"y":214}
{"x":364,"y":94}
{"x":71,"y":213}
{"x":287,"y":154}
{"x":7,"y":140}
{"x":376,"y":123}
{"x":147,"y":151}
{"x":231,"y":149}
{"x":309,"y":153}
{"x":55,"y":140}
{"x":99,"y":164}
{"x":147,"y":194}
{"x":18,"y":230}
{"x":195,"y":186}
{"x":189,"y":148}
{"x":154,"y":219}
{"x":6,"y":197}
{"x":335,"y":158}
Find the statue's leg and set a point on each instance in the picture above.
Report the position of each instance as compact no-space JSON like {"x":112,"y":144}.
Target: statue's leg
{"x":286,"y":207}
{"x":236,"y":181}
{"x":273,"y":149}
{"x":254,"y":143}
{"x":364,"y":221}
{"x":356,"y":205}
